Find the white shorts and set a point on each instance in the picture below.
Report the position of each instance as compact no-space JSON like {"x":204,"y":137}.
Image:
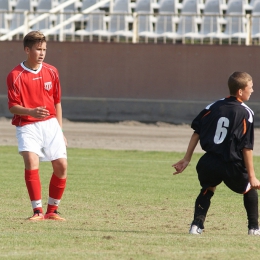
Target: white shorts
{"x":44,"y":138}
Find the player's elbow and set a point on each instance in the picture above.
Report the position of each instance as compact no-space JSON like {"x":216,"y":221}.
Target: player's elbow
{"x":12,"y":110}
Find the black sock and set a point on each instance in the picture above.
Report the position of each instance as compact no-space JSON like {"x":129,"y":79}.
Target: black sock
{"x":202,"y":205}
{"x":251,"y":206}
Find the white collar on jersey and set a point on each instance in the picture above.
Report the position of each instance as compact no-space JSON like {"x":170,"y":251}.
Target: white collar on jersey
{"x":30,"y":70}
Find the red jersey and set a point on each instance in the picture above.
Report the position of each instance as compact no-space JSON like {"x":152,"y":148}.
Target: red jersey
{"x":31,"y":89}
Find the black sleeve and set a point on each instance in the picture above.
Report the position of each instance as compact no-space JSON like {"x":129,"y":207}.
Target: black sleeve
{"x":196,"y":123}
{"x":248,"y":138}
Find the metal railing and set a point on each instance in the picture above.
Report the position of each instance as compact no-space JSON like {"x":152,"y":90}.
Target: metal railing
{"x":136,"y":27}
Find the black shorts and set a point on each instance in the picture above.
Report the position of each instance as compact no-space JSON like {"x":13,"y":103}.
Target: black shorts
{"x":212,"y":170}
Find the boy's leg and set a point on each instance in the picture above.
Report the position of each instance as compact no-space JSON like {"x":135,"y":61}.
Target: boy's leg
{"x":251,"y":206}
{"x":33,"y":183}
{"x":56,"y":188}
{"x":209,"y":169}
{"x":238,"y":182}
{"x":202,"y":205}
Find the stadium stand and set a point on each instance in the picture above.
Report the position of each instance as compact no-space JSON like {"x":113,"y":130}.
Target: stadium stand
{"x":187,"y":21}
{"x":5,"y":7}
{"x":256,"y":22}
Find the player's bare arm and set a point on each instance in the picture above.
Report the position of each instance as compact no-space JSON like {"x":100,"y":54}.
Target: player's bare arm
{"x":59,"y":118}
{"x":182,"y":164}
{"x":248,"y":159}
{"x":38,"y":112}
{"x":59,"y":113}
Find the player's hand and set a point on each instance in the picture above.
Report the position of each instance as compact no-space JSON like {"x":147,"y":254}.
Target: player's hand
{"x":39,"y":112}
{"x":255,"y":183}
{"x":180,"y":166}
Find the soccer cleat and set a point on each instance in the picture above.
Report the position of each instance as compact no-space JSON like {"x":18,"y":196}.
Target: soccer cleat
{"x":37,"y":216}
{"x":254,"y":232}
{"x":54,"y":216}
{"x":195,"y":230}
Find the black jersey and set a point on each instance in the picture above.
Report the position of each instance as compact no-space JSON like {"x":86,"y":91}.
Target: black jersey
{"x":225,"y":128}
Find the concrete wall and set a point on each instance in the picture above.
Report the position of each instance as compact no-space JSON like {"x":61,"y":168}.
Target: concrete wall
{"x":145,"y":82}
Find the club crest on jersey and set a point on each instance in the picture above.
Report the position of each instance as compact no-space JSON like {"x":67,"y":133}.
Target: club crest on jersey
{"x":47,"y":85}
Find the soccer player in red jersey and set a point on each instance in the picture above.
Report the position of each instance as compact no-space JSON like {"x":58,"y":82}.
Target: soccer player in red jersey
{"x":34,"y":98}
{"x":225,"y":130}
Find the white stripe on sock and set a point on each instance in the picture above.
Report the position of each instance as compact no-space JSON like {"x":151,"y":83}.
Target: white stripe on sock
{"x":54,"y":202}
{"x":36,"y":204}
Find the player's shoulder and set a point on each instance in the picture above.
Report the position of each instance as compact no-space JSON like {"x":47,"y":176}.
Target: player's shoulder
{"x":241,"y":108}
{"x":216,"y":103}
{"x":49,"y":67}
{"x":249,"y":112}
{"x":15,"y":71}
{"x":244,"y":106}
{"x":230,"y":100}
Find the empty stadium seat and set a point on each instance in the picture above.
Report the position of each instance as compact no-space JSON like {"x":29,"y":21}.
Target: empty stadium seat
{"x":188,"y":23}
{"x":18,"y":16}
{"x":235,"y":27}
{"x":143,"y":6}
{"x":145,"y":19}
{"x":95,"y":26}
{"x":164,"y":22}
{"x":190,"y":7}
{"x":119,"y":19}
{"x":68,"y":11}
{"x":210,"y":25}
{"x":5,"y":5}
{"x":44,"y":6}
{"x":87,"y":3}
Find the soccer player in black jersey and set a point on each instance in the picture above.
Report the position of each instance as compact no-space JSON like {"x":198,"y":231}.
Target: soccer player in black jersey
{"x":225,"y":130}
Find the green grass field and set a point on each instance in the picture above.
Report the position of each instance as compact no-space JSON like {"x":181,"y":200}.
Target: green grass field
{"x":121,"y":205}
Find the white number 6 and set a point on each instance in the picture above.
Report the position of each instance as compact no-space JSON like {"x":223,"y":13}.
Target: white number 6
{"x":221,"y":130}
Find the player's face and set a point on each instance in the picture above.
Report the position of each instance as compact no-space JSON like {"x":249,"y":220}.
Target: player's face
{"x":36,"y":54}
{"x":247,"y":91}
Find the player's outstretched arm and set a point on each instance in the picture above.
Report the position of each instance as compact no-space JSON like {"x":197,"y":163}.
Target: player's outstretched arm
{"x":182,"y":164}
{"x":248,"y":159}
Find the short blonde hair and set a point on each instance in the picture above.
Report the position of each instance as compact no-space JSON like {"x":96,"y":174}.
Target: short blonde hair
{"x":32,"y":38}
{"x":238,"y":80}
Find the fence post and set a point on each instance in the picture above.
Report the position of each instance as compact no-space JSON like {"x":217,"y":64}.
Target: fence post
{"x":135,"y":37}
{"x":111,"y":6}
{"x":26,"y":23}
{"x":61,"y":15}
{"x":248,"y":29}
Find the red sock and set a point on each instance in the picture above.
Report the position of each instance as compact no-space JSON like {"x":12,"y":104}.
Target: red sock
{"x":33,"y":183}
{"x":56,"y":189}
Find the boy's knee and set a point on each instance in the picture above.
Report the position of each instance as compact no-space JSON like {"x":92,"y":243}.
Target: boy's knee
{"x":207,"y":192}
{"x":251,"y":194}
